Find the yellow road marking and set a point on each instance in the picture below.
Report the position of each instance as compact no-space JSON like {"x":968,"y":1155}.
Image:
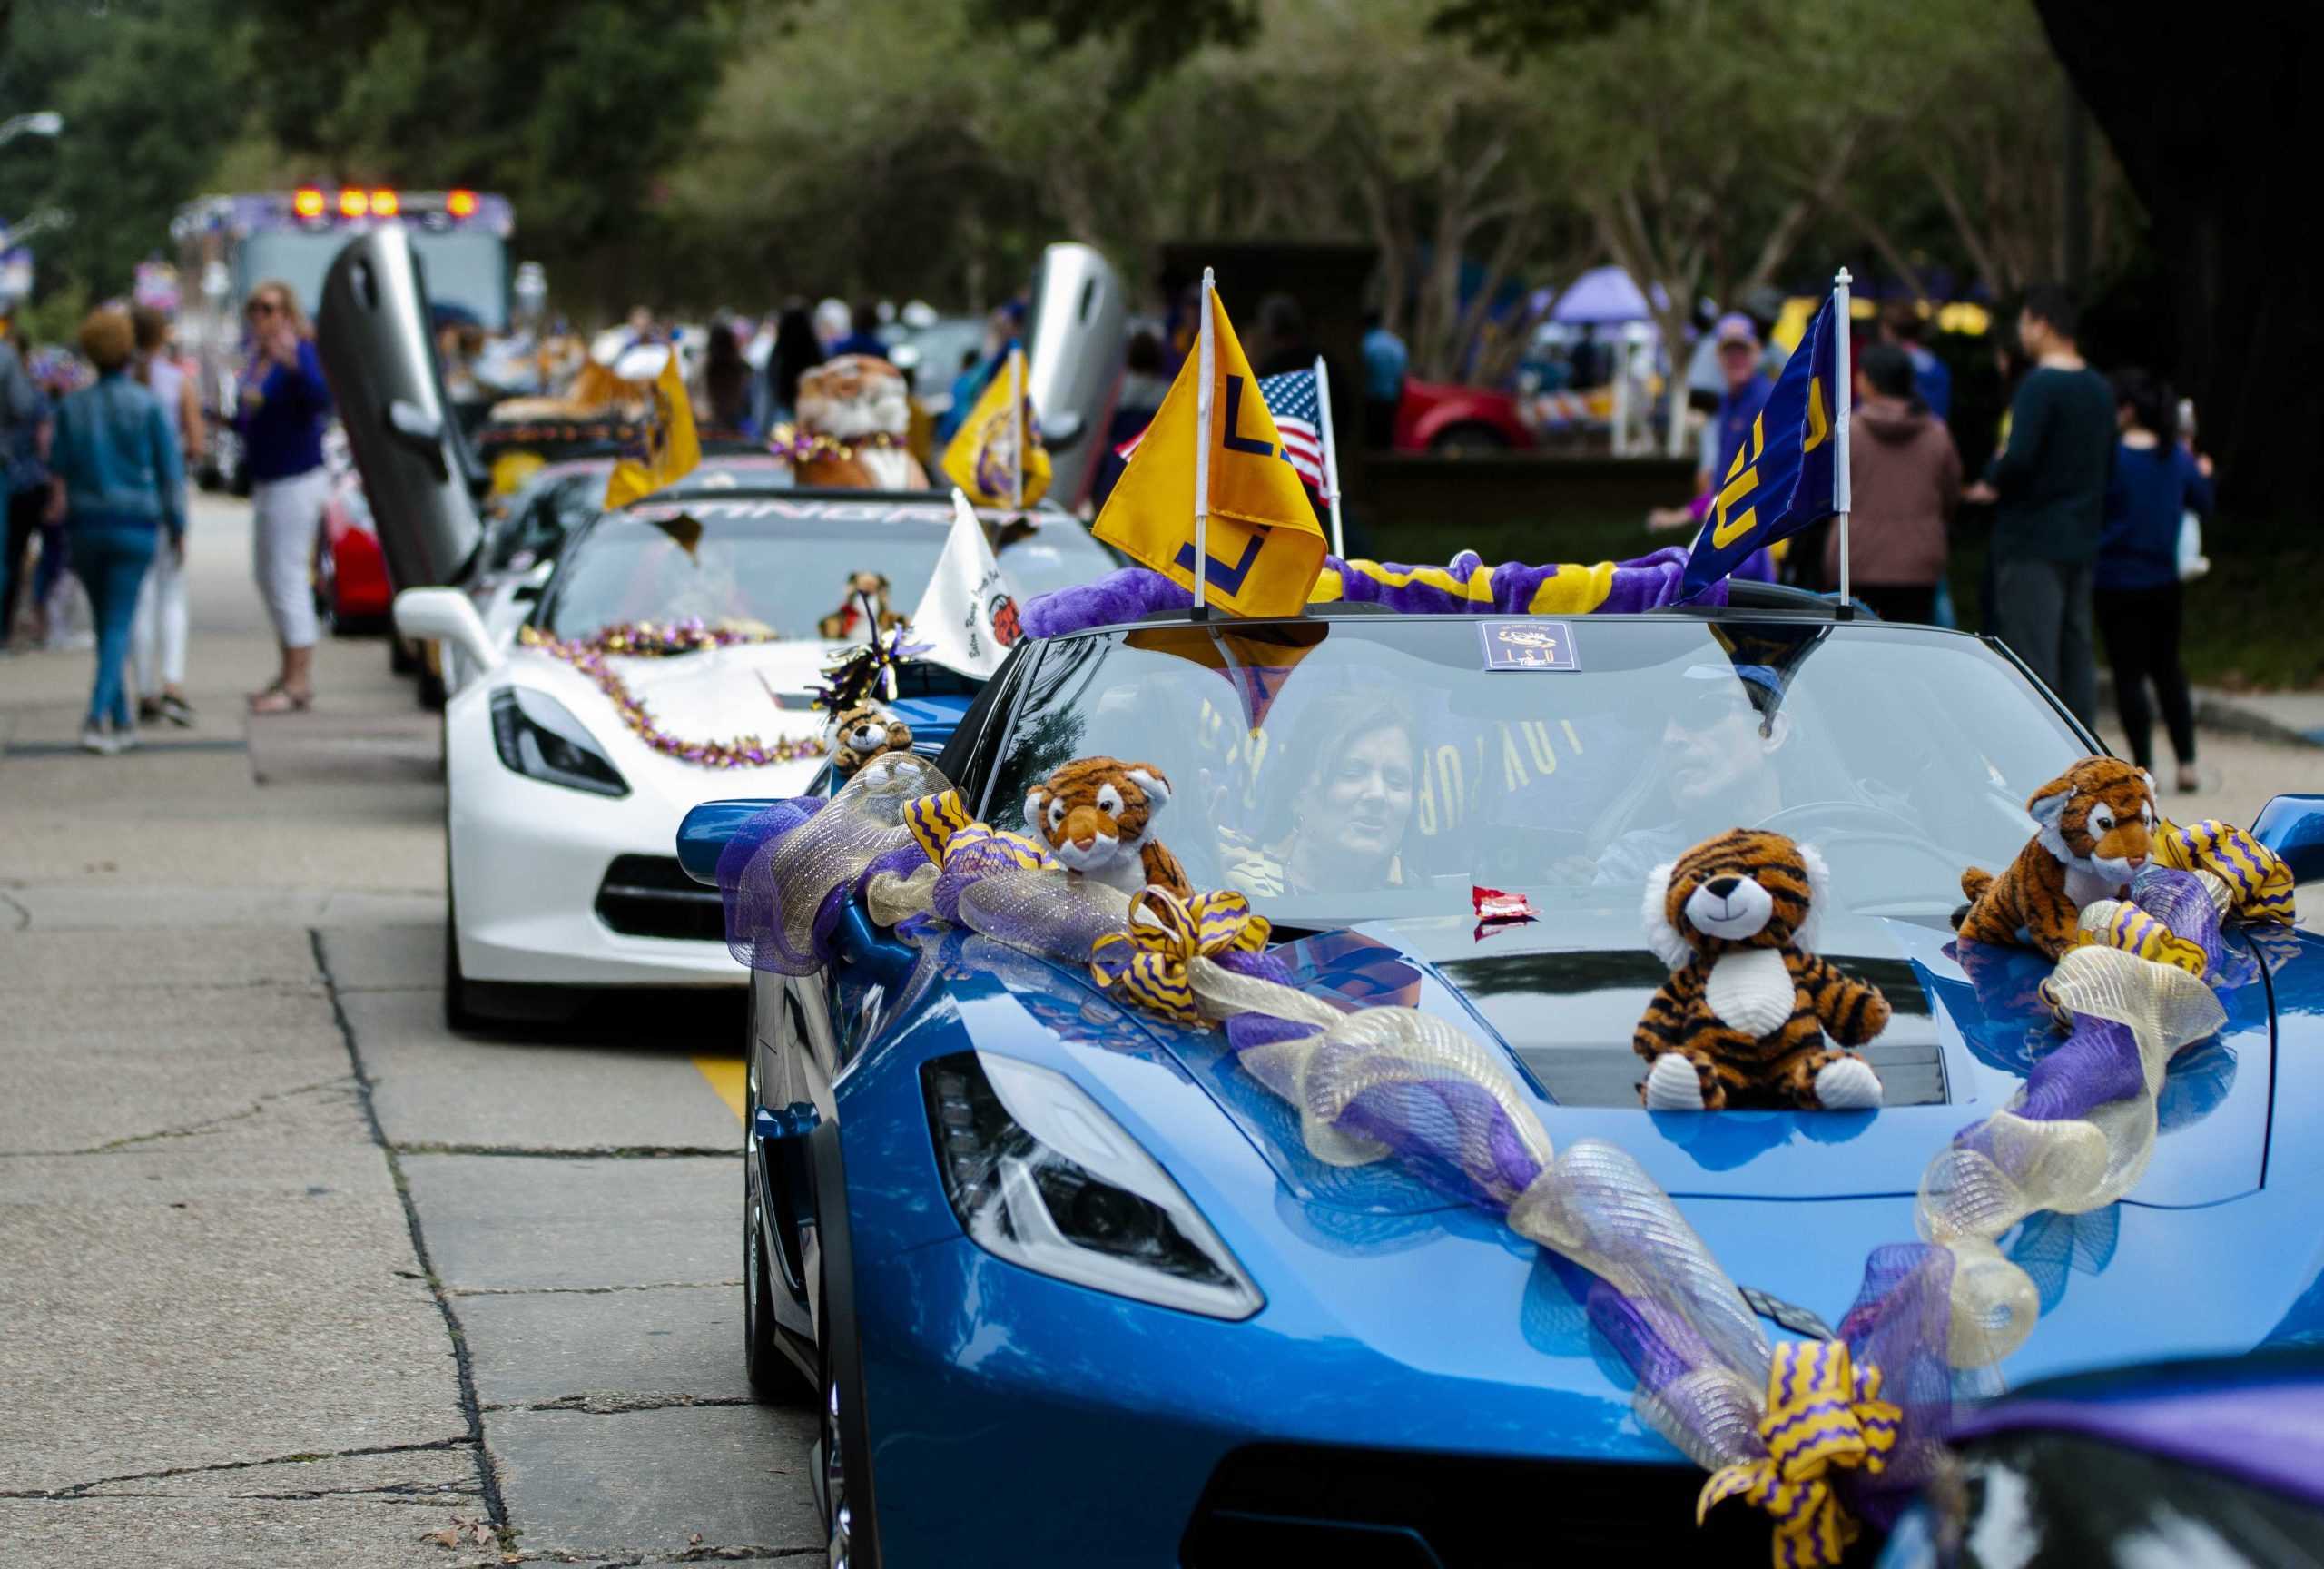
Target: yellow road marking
{"x":731,"y":1077}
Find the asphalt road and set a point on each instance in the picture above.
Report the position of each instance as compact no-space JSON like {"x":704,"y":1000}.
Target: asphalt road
{"x":290,"y":1275}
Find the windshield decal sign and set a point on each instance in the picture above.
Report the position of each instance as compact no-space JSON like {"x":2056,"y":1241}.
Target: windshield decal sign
{"x":1528,"y":646}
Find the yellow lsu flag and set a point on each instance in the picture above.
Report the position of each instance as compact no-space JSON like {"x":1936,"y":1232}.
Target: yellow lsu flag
{"x":1266,"y":546}
{"x":671,"y":448}
{"x":982,"y":458}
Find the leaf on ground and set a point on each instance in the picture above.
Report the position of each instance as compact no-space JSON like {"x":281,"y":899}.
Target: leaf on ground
{"x":465,"y":1529}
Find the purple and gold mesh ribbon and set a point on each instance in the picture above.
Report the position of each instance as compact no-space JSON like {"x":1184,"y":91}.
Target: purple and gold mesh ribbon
{"x":2257,"y":881}
{"x":1148,"y":962}
{"x":1824,"y":1415}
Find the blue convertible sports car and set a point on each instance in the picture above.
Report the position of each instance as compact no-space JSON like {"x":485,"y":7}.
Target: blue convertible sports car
{"x":1070,"y":1285}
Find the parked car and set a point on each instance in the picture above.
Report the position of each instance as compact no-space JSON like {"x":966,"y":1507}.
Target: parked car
{"x":1065,"y":1282}
{"x":561,"y":807}
{"x":1438,"y":417}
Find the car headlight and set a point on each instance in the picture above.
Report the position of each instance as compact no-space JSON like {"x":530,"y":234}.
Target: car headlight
{"x":538,"y":737}
{"x":1040,"y":1176}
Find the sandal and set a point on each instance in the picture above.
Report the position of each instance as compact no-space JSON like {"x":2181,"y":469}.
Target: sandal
{"x":280,"y":699}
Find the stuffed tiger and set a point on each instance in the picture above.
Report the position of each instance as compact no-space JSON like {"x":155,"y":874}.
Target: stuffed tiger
{"x":1743,"y":1017}
{"x":1095,"y":815}
{"x":862,"y":733}
{"x":863,"y":404}
{"x":2096,"y":829}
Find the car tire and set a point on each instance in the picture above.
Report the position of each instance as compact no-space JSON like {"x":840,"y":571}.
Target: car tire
{"x":1468,"y":441}
{"x":775,"y":1378}
{"x":400,"y":658}
{"x":460,"y":1013}
{"x":431,"y":689}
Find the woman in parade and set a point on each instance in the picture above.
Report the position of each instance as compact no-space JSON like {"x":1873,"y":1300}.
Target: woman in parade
{"x":158,"y":635}
{"x":283,"y":404}
{"x":117,"y":479}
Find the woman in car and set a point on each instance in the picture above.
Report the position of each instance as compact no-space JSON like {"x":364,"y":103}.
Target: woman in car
{"x":1339,"y":825}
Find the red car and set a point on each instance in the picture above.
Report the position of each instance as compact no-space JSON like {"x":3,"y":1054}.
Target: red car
{"x":351,"y":589}
{"x":1436,"y":417}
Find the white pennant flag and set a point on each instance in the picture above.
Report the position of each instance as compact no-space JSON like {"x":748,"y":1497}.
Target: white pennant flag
{"x":968,"y":617}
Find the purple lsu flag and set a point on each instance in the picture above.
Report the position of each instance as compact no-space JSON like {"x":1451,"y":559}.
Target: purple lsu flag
{"x":1782,"y":478}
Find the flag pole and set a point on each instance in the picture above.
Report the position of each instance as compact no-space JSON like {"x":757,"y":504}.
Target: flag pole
{"x":1843,"y":396}
{"x":1017,"y":430}
{"x":1206,"y":372}
{"x":1330,"y":453}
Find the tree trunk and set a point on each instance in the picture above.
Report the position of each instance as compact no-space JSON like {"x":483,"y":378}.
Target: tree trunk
{"x":2237,"y":240}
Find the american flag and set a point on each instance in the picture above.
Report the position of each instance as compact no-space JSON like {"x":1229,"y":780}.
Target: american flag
{"x":1291,"y":398}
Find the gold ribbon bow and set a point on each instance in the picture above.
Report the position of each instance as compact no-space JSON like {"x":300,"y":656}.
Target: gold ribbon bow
{"x":2259,"y":882}
{"x":940,"y":825}
{"x":1148,"y":962}
{"x":1822,"y":1412}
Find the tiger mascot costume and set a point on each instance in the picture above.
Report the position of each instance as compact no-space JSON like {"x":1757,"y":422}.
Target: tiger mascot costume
{"x":1742,"y":1019}
{"x":1095,"y":817}
{"x":863,"y":406}
{"x":2095,"y":829}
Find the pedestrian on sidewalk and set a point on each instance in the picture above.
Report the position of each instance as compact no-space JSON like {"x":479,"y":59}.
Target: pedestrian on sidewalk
{"x":116,"y":476}
{"x":2156,"y":482}
{"x":23,"y":472}
{"x":157,"y":637}
{"x":2049,"y":487}
{"x":282,"y":405}
{"x":1904,"y":479}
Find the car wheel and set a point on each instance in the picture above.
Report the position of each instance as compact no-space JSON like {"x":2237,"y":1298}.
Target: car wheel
{"x":400,"y":659}
{"x":432,"y":686}
{"x":459,"y":1014}
{"x":1468,"y":441}
{"x":830,"y":1460}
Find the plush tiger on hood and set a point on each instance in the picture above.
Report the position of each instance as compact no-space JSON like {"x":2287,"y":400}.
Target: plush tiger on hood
{"x":2096,"y":827}
{"x":864,"y":403}
{"x":1096,"y":816}
{"x":866,"y":731}
{"x":1742,"y":1019}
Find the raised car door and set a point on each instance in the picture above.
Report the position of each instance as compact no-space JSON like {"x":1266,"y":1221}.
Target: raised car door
{"x":418,"y":472}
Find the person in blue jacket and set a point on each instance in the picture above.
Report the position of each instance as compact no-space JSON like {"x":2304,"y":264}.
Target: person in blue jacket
{"x":2156,"y":481}
{"x":281,"y":406}
{"x":117,"y":478}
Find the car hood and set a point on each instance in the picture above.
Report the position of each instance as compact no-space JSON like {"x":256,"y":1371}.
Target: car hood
{"x":1429,"y":1306}
{"x":762,"y":689}
{"x":1564,"y":997}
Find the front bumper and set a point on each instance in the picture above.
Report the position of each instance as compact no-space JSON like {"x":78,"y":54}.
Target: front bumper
{"x":530,"y":864}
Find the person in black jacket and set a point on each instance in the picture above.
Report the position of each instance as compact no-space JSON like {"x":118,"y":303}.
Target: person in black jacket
{"x":2049,"y":483}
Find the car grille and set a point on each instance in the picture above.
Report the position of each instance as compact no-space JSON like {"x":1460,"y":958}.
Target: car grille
{"x":1386,"y":1509}
{"x":652,"y":896}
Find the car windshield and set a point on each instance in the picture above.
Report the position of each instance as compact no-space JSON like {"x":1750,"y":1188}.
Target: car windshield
{"x":537,"y":517}
{"x":1367,"y":768}
{"x":782,"y":565}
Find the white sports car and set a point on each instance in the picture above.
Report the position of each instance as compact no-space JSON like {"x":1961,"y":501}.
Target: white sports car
{"x":583,"y":735}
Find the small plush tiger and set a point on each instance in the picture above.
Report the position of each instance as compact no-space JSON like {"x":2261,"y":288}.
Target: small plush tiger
{"x":863,"y":403}
{"x":862,"y":733}
{"x":1095,"y":815}
{"x":1743,"y":1017}
{"x":2096,"y":829}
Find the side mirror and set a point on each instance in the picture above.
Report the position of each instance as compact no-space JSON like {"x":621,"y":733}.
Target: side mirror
{"x":418,"y":432}
{"x":2293,"y":827}
{"x":446,"y":615}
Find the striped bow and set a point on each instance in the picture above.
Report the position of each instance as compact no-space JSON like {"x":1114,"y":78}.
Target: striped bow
{"x":1822,"y":1412}
{"x":1148,"y":962}
{"x":2119,"y":923}
{"x":940,"y":825}
{"x":2259,"y":882}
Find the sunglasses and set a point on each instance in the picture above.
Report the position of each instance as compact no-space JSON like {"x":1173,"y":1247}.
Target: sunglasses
{"x":261,"y":307}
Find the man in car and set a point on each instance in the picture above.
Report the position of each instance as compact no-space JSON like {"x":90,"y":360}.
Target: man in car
{"x":1717,"y":765}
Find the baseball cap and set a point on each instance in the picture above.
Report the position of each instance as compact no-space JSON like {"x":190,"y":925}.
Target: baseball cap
{"x":1735,"y":328}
